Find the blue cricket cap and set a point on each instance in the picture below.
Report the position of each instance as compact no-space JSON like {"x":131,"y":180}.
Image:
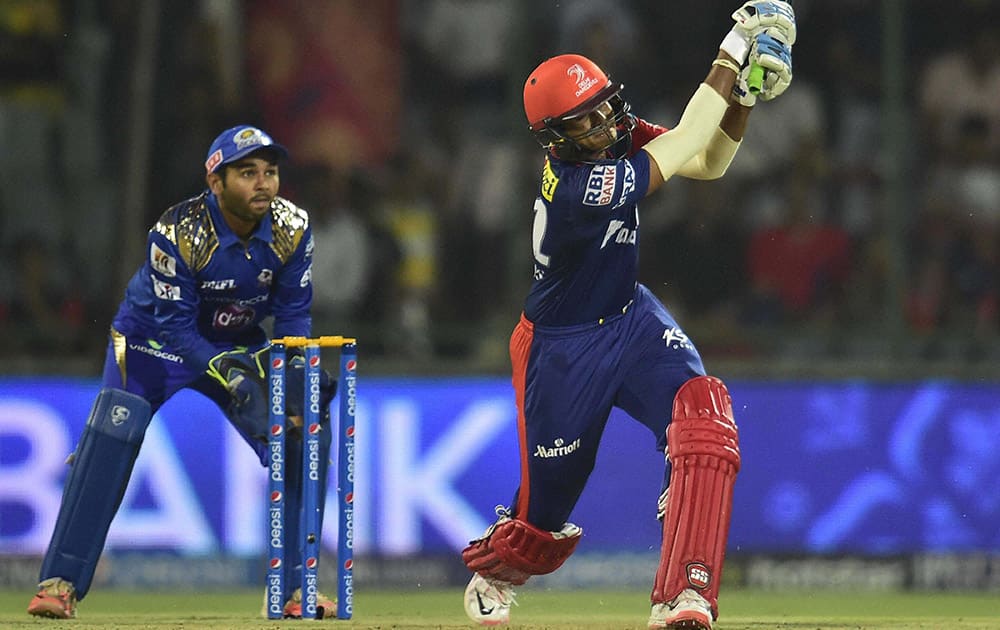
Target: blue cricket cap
{"x":238,"y":142}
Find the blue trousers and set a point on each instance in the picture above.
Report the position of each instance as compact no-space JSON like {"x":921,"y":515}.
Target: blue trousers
{"x":566,"y":381}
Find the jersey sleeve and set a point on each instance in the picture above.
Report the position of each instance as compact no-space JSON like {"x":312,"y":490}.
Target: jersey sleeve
{"x":292,"y":296}
{"x":176,"y":298}
{"x":644,"y":132}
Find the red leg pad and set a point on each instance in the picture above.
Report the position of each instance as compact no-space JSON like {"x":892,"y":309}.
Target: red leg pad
{"x":703,"y":449}
{"x":515,"y":550}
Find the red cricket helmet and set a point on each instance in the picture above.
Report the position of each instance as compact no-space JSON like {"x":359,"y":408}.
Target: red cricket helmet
{"x":570,"y":86}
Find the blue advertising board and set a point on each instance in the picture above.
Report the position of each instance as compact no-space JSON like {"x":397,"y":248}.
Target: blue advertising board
{"x":830,"y":467}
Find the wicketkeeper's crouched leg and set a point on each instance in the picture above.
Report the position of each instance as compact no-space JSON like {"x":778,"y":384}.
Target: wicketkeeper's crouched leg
{"x":99,"y":473}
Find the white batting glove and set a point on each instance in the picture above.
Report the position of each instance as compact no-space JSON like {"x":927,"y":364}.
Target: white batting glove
{"x":771,"y":52}
{"x":759,"y":15}
{"x":753,"y":18}
{"x":741,"y":92}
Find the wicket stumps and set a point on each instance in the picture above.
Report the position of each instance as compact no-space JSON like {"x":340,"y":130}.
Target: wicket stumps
{"x":278,"y":591}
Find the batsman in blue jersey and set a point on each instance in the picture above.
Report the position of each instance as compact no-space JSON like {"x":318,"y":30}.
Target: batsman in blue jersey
{"x":591,"y":337}
{"x":216,"y":267}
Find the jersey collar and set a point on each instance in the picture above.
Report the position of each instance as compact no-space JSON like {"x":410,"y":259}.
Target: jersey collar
{"x":226,"y":236}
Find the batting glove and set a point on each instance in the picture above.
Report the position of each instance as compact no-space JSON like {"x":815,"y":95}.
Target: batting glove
{"x":759,"y":15}
{"x":741,"y":91}
{"x":771,"y":52}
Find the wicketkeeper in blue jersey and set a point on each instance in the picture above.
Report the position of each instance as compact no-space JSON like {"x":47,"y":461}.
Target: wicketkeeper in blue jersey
{"x":591,"y":337}
{"x":216,"y":266}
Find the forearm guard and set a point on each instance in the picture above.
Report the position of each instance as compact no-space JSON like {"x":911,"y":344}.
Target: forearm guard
{"x":698,"y":123}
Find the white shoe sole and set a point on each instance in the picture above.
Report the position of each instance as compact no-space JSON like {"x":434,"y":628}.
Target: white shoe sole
{"x":474,"y":605}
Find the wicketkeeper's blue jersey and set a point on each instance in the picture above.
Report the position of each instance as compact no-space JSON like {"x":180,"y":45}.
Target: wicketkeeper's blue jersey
{"x":201,"y":286}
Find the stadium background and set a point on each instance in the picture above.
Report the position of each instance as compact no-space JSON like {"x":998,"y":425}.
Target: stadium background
{"x":843,"y":277}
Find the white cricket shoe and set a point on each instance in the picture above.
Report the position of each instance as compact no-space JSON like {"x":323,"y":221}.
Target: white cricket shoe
{"x":488,"y":601}
{"x":689,"y":611}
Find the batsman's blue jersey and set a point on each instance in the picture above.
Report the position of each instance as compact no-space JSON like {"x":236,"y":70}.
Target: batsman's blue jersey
{"x":201,"y":288}
{"x":585,"y":239}
{"x":591,"y":336}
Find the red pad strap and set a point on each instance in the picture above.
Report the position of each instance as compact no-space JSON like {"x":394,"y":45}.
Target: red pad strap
{"x":703,"y":448}
{"x":515,"y":550}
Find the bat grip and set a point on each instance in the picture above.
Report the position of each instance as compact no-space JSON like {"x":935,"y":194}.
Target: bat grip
{"x":755,"y":80}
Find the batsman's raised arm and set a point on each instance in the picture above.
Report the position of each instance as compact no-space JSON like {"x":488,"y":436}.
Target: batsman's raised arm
{"x":706,"y":139}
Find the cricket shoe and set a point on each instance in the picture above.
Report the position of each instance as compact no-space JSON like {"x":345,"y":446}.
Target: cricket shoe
{"x":326,"y":608}
{"x":488,"y":601}
{"x":56,"y":598}
{"x":687,"y":611}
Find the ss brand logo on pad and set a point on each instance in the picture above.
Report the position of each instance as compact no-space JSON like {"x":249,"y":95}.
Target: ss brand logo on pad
{"x":698,"y":575}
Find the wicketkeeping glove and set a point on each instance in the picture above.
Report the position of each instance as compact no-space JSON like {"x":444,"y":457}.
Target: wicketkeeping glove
{"x":770,"y":51}
{"x":240,"y":371}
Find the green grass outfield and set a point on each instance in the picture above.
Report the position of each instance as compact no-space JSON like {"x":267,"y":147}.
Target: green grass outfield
{"x":616,"y":610}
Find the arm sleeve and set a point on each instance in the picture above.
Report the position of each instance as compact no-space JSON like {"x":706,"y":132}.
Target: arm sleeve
{"x":714,"y":160}
{"x":292,"y":297}
{"x":698,"y":123}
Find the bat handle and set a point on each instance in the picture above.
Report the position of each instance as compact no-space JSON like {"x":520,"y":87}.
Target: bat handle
{"x":755,"y":80}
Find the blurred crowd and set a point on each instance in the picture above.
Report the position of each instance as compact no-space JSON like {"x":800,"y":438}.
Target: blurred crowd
{"x":857,"y":221}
